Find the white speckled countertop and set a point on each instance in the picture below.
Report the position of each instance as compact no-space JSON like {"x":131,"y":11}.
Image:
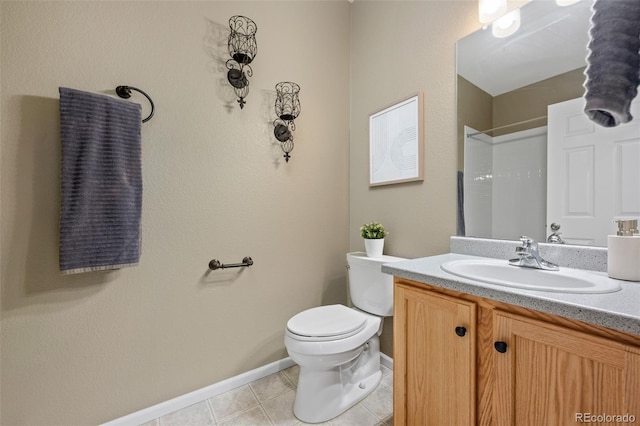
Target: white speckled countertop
{"x":619,"y":310}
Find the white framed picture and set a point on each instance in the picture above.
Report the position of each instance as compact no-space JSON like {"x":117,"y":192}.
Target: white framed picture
{"x":396,"y":143}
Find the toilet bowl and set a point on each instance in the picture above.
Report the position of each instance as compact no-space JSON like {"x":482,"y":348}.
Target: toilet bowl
{"x":337,"y":347}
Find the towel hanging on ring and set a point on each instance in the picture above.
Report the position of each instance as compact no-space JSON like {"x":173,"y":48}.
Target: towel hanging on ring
{"x":101,"y":182}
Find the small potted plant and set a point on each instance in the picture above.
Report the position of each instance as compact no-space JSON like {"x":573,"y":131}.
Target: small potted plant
{"x":373,"y":234}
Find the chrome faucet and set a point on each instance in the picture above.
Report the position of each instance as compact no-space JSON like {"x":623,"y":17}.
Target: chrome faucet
{"x":529,"y":256}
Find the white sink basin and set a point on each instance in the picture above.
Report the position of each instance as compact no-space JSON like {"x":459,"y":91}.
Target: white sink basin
{"x":499,"y":272}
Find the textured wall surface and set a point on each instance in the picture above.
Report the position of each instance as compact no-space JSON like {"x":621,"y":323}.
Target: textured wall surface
{"x":88,"y":348}
{"x":399,"y":48}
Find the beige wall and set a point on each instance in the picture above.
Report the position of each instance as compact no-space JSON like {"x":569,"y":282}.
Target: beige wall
{"x":531,"y":101}
{"x":476,"y":111}
{"x":397,"y":49}
{"x":89,"y":348}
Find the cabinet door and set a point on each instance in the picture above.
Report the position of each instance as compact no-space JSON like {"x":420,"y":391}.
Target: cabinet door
{"x":434,"y":360}
{"x":550,"y":375}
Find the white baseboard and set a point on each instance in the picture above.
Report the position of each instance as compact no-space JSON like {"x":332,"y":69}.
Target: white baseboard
{"x":183,"y":401}
{"x":386,"y":360}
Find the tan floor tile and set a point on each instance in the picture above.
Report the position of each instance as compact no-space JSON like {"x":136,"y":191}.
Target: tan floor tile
{"x":269,"y":401}
{"x":253,"y":417}
{"x":195,"y":415}
{"x":232,"y":402}
{"x":386,"y":422}
{"x":280,"y":409}
{"x":292,"y":373}
{"x":387,"y":380}
{"x":271,"y":386}
{"x":355,"y":416}
{"x":380,"y":402}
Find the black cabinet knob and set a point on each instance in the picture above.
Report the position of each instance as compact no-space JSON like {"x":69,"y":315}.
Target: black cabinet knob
{"x":461,"y":331}
{"x":500,"y":346}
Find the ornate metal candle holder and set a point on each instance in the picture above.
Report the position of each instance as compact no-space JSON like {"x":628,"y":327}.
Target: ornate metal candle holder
{"x":287,"y":109}
{"x":243,"y":50}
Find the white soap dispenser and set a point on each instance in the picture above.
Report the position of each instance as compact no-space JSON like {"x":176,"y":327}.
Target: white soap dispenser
{"x":623,"y":258}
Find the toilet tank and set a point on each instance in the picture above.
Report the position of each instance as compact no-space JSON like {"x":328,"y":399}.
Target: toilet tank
{"x":371,"y":290}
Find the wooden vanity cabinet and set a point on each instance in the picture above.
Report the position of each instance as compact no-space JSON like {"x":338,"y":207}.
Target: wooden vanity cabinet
{"x":513,"y":366}
{"x":434,"y":349}
{"x":551,"y":375}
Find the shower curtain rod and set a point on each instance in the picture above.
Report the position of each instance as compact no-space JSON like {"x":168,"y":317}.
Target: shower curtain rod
{"x":469,"y":135}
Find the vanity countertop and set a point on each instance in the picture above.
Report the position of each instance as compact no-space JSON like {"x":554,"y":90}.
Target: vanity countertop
{"x":619,"y":310}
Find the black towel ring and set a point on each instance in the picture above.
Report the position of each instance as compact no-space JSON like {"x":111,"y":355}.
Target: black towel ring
{"x":125,"y":93}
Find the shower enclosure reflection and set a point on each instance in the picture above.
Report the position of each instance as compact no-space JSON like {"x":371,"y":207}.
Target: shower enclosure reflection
{"x":505,"y":182}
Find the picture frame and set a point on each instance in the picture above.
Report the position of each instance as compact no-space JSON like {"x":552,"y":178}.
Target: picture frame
{"x":396,"y":143}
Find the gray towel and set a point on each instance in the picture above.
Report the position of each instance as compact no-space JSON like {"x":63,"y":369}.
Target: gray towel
{"x":613,"y":63}
{"x":101,"y":182}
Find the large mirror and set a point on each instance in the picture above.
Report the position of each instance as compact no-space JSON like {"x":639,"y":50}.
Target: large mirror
{"x":504,"y":88}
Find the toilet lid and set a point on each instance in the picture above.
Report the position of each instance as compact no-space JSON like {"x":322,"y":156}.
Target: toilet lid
{"x":332,"y":321}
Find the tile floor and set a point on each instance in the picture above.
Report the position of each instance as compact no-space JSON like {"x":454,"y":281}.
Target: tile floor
{"x":269,"y":401}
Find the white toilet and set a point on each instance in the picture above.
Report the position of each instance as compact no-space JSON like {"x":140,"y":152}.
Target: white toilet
{"x":338,"y":348}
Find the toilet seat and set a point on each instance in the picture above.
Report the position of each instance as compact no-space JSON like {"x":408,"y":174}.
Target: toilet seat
{"x":331,"y":322}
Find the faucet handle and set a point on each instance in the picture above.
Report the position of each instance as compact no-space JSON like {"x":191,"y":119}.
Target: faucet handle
{"x":529,"y":256}
{"x":526,"y":241}
{"x":528,"y":246}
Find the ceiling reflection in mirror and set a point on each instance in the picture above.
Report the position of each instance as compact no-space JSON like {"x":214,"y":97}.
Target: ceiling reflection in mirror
{"x":551,"y":40}
{"x":504,"y":86}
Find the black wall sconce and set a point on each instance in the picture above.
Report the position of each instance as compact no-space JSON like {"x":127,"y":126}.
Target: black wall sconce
{"x":287,"y":110}
{"x":243,"y":50}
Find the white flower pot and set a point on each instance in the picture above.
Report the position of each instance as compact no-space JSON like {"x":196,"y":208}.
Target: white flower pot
{"x":374,"y":247}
